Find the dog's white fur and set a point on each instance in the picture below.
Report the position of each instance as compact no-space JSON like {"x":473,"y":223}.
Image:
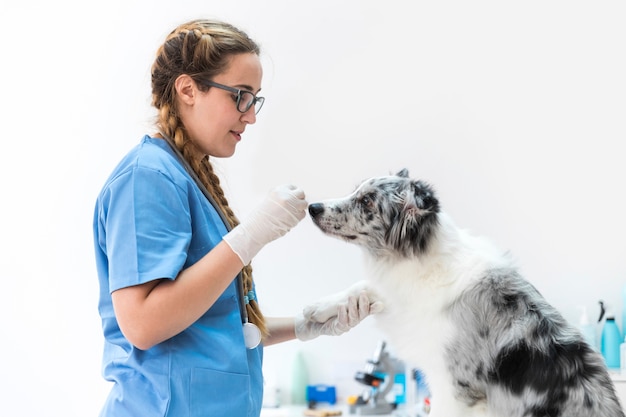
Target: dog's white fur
{"x":423,"y":293}
{"x":412,"y":317}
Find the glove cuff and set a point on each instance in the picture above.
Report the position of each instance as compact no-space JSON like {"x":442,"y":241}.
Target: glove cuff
{"x":243,"y":245}
{"x":302,"y":328}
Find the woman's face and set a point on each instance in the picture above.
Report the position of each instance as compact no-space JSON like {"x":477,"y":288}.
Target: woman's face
{"x":211,"y":117}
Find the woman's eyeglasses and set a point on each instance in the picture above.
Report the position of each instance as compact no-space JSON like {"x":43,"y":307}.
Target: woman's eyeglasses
{"x":245,"y":99}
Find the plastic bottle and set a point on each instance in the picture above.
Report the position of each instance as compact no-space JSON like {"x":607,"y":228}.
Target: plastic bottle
{"x":586,"y":328}
{"x":624,"y":311}
{"x":611,"y":339}
{"x":299,"y":379}
{"x":622,"y":356}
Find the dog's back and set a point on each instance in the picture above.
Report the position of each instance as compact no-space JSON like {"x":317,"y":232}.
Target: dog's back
{"x":517,"y":351}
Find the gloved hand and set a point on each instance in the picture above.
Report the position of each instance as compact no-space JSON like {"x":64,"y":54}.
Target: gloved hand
{"x":338,"y":313}
{"x":281,"y":210}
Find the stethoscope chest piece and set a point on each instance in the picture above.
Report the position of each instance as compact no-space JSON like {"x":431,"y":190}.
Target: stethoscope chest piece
{"x":251,"y":335}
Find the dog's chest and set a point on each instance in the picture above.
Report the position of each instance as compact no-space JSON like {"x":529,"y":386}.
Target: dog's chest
{"x":414,"y":321}
{"x":410,"y":294}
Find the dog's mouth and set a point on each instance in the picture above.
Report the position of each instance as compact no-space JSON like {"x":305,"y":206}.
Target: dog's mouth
{"x":347,"y":237}
{"x":339,"y":234}
{"x":331,"y":230}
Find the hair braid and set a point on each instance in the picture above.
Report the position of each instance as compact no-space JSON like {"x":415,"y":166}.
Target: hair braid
{"x":200,"y":48}
{"x":254,"y":312}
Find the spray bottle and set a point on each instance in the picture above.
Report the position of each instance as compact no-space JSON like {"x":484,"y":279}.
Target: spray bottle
{"x":611,"y":339}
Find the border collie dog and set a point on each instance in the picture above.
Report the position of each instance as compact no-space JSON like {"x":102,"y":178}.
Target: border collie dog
{"x":458,"y":309}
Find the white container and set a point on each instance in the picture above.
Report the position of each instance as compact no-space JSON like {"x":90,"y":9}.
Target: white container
{"x":587,"y":329}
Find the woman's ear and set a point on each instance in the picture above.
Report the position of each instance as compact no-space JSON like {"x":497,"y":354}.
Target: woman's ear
{"x":185,"y":89}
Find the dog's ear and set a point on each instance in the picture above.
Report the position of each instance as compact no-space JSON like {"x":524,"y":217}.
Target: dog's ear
{"x":417,"y":219}
{"x":424,"y":196}
{"x":403,"y":173}
{"x":418,"y":200}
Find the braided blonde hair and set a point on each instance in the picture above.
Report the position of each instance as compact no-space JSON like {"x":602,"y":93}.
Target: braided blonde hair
{"x":200,"y":49}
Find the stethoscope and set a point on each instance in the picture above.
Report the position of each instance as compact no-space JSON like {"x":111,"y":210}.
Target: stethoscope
{"x":251,"y":333}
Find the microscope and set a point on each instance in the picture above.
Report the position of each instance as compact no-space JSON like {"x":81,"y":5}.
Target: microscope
{"x":379,"y":377}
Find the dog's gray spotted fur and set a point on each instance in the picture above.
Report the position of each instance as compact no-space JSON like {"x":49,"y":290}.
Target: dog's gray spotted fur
{"x":536,"y":351}
{"x":395,"y":218}
{"x":492,"y":345}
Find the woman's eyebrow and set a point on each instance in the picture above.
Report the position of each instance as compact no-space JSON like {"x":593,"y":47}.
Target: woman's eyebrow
{"x":247,"y":88}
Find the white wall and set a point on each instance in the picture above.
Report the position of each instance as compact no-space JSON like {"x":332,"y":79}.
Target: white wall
{"x":514,"y":111}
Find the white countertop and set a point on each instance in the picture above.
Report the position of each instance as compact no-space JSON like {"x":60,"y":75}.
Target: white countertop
{"x":617,"y":376}
{"x":298,"y":411}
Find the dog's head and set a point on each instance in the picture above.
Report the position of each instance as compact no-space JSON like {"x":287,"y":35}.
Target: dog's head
{"x":392,"y":215}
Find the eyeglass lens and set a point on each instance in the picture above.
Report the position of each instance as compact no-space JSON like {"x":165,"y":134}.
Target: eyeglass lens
{"x":247,"y":100}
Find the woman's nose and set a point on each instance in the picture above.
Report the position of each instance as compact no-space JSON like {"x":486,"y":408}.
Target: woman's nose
{"x":249,"y":116}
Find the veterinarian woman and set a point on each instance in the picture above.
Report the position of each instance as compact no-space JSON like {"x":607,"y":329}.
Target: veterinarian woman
{"x":183,"y":332}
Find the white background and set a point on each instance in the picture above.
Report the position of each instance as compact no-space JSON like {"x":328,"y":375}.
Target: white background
{"x":514,"y":111}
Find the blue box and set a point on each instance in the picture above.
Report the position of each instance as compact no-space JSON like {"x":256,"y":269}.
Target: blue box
{"x":321,"y":394}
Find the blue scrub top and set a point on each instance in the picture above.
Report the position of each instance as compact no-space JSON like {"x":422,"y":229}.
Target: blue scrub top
{"x":151,"y":221}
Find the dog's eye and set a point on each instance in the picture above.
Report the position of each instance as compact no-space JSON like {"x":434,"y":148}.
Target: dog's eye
{"x":366,"y":201}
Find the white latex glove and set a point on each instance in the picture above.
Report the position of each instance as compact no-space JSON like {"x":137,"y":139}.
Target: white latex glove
{"x":336,"y":314}
{"x":281,"y":210}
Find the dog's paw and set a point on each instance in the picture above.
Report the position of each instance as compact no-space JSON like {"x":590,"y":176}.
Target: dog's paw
{"x":326,"y":308}
{"x":322,"y":310}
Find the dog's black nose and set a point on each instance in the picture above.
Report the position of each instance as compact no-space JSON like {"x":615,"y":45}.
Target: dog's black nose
{"x":316,"y":209}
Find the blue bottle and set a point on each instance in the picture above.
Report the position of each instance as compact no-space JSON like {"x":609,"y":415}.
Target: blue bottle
{"x":611,"y":340}
{"x":624,"y":311}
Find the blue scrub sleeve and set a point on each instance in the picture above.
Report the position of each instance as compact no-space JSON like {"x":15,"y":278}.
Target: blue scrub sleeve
{"x":148,"y":228}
